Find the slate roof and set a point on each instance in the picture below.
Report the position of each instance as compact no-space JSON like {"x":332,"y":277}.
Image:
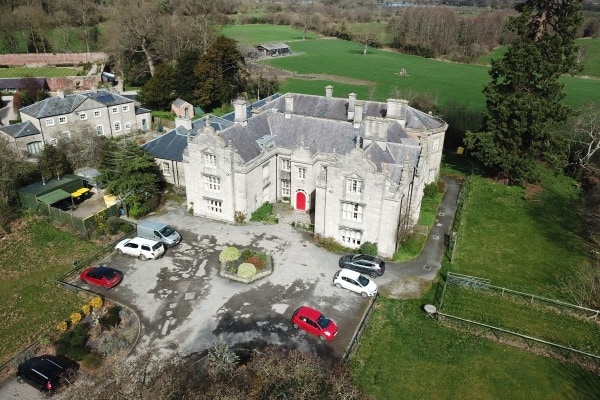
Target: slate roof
{"x":53,"y":106}
{"x":179,"y":102}
{"x":18,"y":83}
{"x":20,"y":130}
{"x":171,"y":145}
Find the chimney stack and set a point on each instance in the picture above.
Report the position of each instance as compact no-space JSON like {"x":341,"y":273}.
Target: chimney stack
{"x":351,"y":101}
{"x":396,"y":109}
{"x":241,"y":117}
{"x":289,"y":105}
{"x":358,"y":113}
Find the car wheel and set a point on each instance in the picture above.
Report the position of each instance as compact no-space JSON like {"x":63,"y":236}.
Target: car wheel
{"x":373,"y":275}
{"x":20,"y":380}
{"x":143,"y":257}
{"x":337,"y":285}
{"x":364,"y":294}
{"x":296,"y":326}
{"x":322,"y":338}
{"x":120,"y":252}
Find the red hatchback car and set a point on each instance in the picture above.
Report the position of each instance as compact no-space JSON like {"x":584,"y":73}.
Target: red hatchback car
{"x":101,"y":276}
{"x":315,"y":323}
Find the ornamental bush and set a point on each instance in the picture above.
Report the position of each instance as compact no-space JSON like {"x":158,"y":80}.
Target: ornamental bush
{"x":369,"y":248}
{"x":111,"y":319}
{"x":246,"y":271}
{"x":86,"y":309}
{"x":229,"y":253}
{"x":256,"y":261}
{"x":75,"y":318}
{"x":62,"y":326}
{"x":96,"y":302}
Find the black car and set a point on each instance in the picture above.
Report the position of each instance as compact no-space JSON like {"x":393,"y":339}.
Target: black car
{"x":47,"y":373}
{"x":365,"y":264}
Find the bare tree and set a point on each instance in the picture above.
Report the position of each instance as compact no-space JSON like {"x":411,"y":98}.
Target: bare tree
{"x":586,"y":134}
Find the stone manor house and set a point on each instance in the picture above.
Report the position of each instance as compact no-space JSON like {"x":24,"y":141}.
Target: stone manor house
{"x":357,"y":167}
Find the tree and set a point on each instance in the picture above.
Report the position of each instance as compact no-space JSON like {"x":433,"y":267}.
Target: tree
{"x":186,"y":80}
{"x":131,"y":174}
{"x":54,"y":163}
{"x":14,"y":173}
{"x":586,"y":135}
{"x":524,"y":97}
{"x":84,"y":147}
{"x":271,"y":372}
{"x":221,"y":74}
{"x":159,"y":92}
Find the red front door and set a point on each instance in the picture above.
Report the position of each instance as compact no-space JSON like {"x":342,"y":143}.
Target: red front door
{"x":300,"y":201}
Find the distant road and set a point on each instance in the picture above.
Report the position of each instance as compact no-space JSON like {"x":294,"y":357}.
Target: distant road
{"x":42,"y":59}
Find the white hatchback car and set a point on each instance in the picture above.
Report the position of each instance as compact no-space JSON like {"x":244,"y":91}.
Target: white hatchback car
{"x":144,"y":249}
{"x":352,"y":280}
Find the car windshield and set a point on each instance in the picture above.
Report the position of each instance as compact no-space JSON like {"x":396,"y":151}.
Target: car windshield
{"x":107,"y":272}
{"x":323,"y":321}
{"x":167,"y":231}
{"x":364,"y":281}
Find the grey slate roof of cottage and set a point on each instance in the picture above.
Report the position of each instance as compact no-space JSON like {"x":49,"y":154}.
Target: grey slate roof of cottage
{"x":171,"y":145}
{"x":20,"y":130}
{"x":179,"y":102}
{"x":59,"y":106}
{"x":19,"y":83}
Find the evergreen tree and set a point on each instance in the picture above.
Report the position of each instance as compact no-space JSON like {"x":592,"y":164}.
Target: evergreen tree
{"x":186,"y":80}
{"x":524,"y":97}
{"x":159,"y":92}
{"x":130,"y":173}
{"x":221,"y":74}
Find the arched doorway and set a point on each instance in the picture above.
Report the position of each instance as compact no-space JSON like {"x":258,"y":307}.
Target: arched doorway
{"x":300,"y":200}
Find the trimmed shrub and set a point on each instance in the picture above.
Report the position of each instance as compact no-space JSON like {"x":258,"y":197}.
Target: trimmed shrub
{"x":96,"y":302}
{"x":62,"y":326}
{"x":110,"y":344}
{"x":246,"y":270}
{"x":431,"y":189}
{"x":86,"y":309}
{"x":330,"y":244}
{"x":229,"y":253}
{"x":239,"y":217}
{"x":92,"y":360}
{"x":257,"y":262}
{"x":368,"y":248}
{"x":111,"y":319}
{"x":75,"y":318}
{"x":246,"y":254}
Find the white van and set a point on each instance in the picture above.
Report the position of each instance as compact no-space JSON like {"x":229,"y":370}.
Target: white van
{"x":158,"y":231}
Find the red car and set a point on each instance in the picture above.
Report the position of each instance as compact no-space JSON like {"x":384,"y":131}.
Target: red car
{"x":315,"y":323}
{"x":101,"y":276}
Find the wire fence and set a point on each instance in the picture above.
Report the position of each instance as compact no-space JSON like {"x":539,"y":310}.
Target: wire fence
{"x":454,"y":280}
{"x":451,"y":238}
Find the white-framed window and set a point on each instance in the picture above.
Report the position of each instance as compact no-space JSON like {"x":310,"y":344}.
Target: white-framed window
{"x":62,"y":120}
{"x":436,"y":144}
{"x":210,"y":160}
{"x":353,"y":186}
{"x":215,"y":206}
{"x":286,"y":165}
{"x":117,"y":126}
{"x":114,"y":110}
{"x":100,"y":130}
{"x":166,"y":168}
{"x":127,"y":126}
{"x":301,"y":173}
{"x":212,"y":183}
{"x":49,"y":121}
{"x":350,"y":236}
{"x":125,"y":108}
{"x":97,"y":114}
{"x":65,"y":135}
{"x":352,"y":211}
{"x":82,"y":116}
{"x":286,"y":188}
{"x":34,"y":147}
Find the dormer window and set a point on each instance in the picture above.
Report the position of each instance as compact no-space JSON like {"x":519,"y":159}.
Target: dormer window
{"x":353,"y":186}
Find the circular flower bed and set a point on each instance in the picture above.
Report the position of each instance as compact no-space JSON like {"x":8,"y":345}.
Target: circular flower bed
{"x":244,"y":266}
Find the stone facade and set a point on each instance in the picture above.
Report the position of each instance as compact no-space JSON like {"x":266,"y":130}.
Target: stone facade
{"x":358,"y":167}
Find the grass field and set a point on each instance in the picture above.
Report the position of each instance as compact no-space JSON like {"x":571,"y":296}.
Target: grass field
{"x":41,"y":72}
{"x":331,"y":61}
{"x":259,"y":34}
{"x":32,"y":257}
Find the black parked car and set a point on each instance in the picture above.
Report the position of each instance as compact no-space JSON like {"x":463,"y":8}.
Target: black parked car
{"x":47,"y":373}
{"x":365,"y":264}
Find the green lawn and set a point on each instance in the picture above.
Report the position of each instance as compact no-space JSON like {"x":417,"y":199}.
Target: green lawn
{"x":43,"y":72}
{"x":521,"y":240}
{"x":378,"y":70}
{"x":258,"y":34}
{"x":32,"y":257}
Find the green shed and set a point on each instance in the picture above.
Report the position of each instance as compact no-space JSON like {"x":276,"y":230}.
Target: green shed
{"x":49,"y":192}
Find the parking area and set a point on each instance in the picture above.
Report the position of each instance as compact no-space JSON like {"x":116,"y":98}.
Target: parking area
{"x":186,"y":306}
